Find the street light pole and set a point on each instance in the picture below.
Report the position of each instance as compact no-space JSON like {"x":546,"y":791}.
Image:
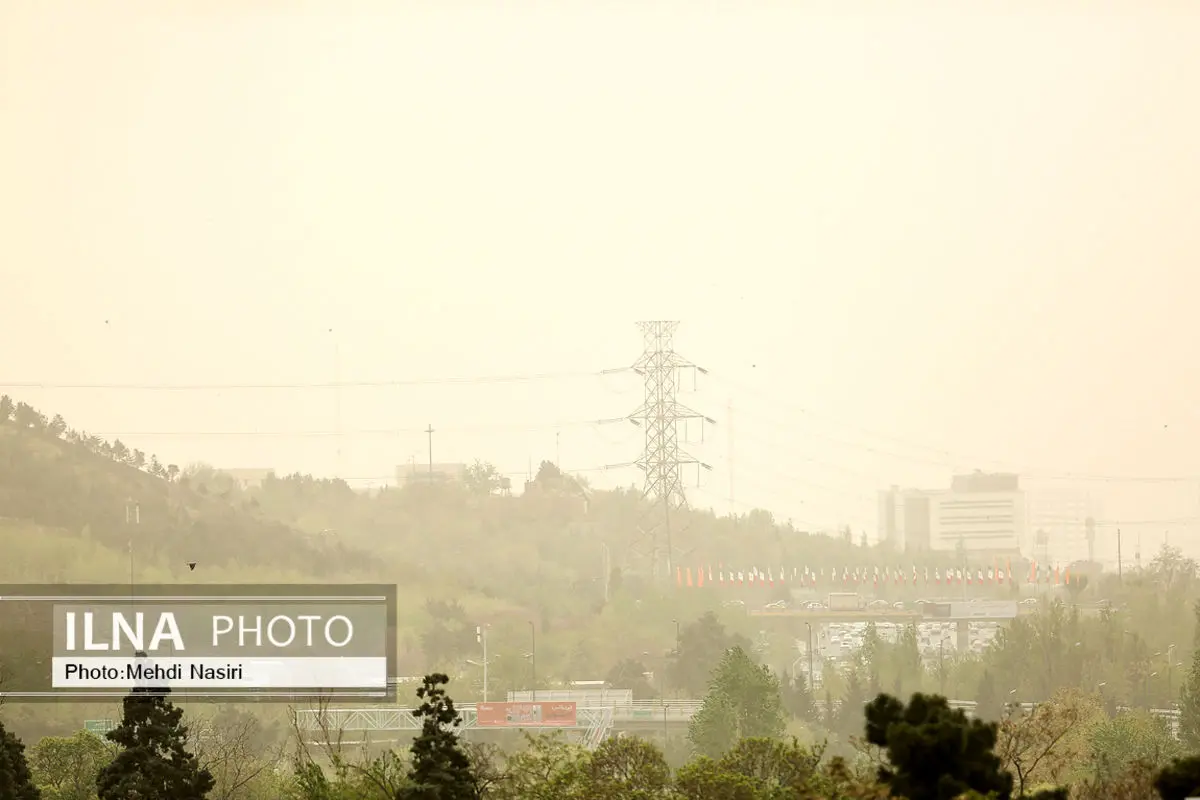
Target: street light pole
{"x":812,"y":691}
{"x":533,"y":659}
{"x":481,"y":637}
{"x":1170,"y":665}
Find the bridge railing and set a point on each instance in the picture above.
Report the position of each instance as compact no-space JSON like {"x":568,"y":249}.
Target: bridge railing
{"x":656,"y":711}
{"x":646,"y":711}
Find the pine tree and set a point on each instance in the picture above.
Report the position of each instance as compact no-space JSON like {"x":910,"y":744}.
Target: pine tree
{"x":15,"y":781}
{"x":989,"y":706}
{"x":440,"y":769}
{"x":153,"y":763}
{"x":850,"y":715}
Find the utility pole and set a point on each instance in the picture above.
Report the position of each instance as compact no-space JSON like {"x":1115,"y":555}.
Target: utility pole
{"x":557,"y":452}
{"x":812,"y":690}
{"x":662,"y":458}
{"x":429,"y":432}
{"x":1119,"y":575}
{"x":533,"y":660}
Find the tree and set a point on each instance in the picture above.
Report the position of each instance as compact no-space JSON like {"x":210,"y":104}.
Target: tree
{"x":630,"y":674}
{"x":1130,"y":737}
{"x":546,"y":768}
{"x":153,"y":761}
{"x":236,"y":749}
{"x":849,"y":720}
{"x":440,"y":769}
{"x":934,"y":752}
{"x":450,"y":635}
{"x":66,"y":768}
{"x":482,"y":478}
{"x":6,"y":408}
{"x":1180,"y":780}
{"x":57,"y":426}
{"x":702,"y":645}
{"x":16,"y":782}
{"x":743,"y":701}
{"x":798,"y":699}
{"x":628,"y":767}
{"x":1189,"y":696}
{"x":1039,"y":745}
{"x":989,"y":706}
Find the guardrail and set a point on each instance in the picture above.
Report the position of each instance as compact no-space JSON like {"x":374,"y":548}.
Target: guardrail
{"x":666,"y":711}
{"x":595,"y":720}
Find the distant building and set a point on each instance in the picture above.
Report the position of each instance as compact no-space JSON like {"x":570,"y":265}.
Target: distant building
{"x":249,"y":478}
{"x":904,"y":519}
{"x":1061,"y":515}
{"x":425,"y":473}
{"x":980,"y":513}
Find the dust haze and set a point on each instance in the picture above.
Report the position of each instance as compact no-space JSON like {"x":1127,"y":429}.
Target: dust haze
{"x":577,"y":320}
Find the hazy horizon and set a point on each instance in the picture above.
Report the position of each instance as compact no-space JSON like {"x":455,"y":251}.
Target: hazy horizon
{"x":904,"y":246}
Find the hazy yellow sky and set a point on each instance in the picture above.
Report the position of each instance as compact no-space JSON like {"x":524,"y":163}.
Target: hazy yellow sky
{"x":972,"y":231}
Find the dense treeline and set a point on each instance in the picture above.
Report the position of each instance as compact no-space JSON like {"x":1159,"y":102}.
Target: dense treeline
{"x":922,"y":749}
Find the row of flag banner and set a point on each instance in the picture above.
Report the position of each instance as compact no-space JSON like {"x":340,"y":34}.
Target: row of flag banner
{"x":864,"y":576}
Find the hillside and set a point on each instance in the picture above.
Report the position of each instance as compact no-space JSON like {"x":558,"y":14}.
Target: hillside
{"x":64,"y":486}
{"x":460,"y":554}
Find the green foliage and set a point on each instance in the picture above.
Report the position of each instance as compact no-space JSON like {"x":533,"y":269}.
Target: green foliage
{"x":743,"y":701}
{"x":702,"y":645}
{"x":545,"y":768}
{"x":66,"y":768}
{"x":630,"y":673}
{"x":440,"y":768}
{"x":627,"y":767}
{"x":989,"y":705}
{"x":798,"y":699}
{"x":1189,"y":695}
{"x":153,"y":761}
{"x":16,"y":780}
{"x":1130,"y":737}
{"x":934,"y":752}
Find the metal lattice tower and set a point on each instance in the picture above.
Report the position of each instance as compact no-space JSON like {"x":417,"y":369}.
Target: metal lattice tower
{"x":662,"y":459}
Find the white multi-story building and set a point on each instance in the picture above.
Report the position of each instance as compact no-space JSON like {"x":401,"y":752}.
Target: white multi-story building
{"x":979,"y":513}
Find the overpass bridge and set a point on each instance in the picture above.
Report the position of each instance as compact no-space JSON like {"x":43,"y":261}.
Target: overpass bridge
{"x":960,"y":614}
{"x":591,"y":726}
{"x":592,"y":722}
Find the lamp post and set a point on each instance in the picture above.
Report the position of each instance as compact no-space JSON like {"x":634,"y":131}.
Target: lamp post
{"x":533,"y":659}
{"x":811,"y":687}
{"x":1170,"y":666}
{"x":942,"y":664}
{"x":481,"y":638}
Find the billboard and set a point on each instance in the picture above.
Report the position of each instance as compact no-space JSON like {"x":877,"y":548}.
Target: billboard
{"x":210,"y":642}
{"x":525,"y":715}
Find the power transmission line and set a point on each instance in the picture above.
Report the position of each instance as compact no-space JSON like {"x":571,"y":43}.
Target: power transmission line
{"x":380,"y":432}
{"x":190,"y":387}
{"x":949,"y":460}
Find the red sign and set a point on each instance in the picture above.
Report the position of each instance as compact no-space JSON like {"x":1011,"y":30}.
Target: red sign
{"x":525,"y":715}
